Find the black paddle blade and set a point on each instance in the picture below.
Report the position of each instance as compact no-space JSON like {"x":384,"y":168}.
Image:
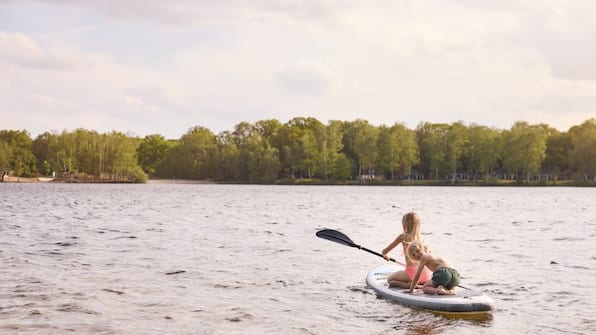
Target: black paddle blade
{"x":336,"y":236}
{"x":341,"y":238}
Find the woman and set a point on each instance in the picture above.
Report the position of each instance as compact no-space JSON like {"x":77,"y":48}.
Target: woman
{"x":411,"y":232}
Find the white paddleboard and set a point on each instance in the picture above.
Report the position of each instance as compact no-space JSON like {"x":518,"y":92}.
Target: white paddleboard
{"x":464,"y":301}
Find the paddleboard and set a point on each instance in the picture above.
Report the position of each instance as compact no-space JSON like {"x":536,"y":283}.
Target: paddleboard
{"x":464,"y":301}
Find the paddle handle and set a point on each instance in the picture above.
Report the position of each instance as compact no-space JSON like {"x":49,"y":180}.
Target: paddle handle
{"x":378,"y":254}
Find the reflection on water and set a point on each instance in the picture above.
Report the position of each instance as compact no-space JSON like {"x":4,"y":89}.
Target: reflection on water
{"x":229,"y":259}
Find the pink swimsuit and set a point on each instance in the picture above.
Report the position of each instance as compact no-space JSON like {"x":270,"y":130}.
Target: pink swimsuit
{"x":411,"y":270}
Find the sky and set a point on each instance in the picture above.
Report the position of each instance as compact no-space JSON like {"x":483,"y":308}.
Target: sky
{"x":163,"y":67}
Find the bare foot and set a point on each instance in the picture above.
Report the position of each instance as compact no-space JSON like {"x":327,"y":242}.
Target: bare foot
{"x":441,"y":290}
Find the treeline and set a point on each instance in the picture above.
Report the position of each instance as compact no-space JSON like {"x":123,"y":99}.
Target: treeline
{"x":271,"y":152}
{"x":80,"y":154}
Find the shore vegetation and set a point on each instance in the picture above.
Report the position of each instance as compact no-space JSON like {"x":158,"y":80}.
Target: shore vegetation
{"x":306,"y":151}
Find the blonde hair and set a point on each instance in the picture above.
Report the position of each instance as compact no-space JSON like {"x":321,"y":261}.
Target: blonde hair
{"x":411,"y":224}
{"x":416,"y":246}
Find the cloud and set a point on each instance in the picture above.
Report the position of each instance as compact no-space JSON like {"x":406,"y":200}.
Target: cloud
{"x":570,"y":55}
{"x":163,"y":67}
{"x":52,"y":104}
{"x":148,"y":102}
{"x":132,"y":100}
{"x":562,"y":34}
{"x":18,"y":49}
{"x":307,"y":78}
{"x":39,"y":112}
{"x":193,"y":12}
{"x":7,"y":74}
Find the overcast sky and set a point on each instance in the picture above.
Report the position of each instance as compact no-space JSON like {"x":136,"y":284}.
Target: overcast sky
{"x":162,"y":67}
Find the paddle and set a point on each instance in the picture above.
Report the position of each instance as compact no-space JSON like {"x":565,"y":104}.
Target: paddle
{"x":341,"y":238}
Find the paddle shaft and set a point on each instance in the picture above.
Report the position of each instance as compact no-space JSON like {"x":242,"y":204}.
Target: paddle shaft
{"x":378,"y":254}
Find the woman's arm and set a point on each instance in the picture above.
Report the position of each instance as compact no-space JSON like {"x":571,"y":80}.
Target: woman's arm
{"x":392,"y":245}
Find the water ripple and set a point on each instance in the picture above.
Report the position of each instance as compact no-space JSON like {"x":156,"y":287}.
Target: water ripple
{"x":230,"y":259}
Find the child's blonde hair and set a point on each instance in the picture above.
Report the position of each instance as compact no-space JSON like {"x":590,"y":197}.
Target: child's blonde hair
{"x":416,"y":246}
{"x":411,"y":224}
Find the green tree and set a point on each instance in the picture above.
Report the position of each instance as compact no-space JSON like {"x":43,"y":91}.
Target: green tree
{"x":456,"y":148}
{"x":84,"y":150}
{"x":192,"y":157}
{"x":40,"y":149}
{"x":524,"y":149}
{"x":269,"y":130}
{"x":432,"y":140}
{"x":62,"y":151}
{"x":50,"y":152}
{"x":397,"y":151}
{"x":558,"y":147}
{"x":263,"y":163}
{"x":388,"y":152}
{"x":226,"y":158}
{"x":4,"y":157}
{"x":120,"y":161}
{"x":410,"y":152}
{"x":299,"y":149}
{"x":319,"y":148}
{"x":256,"y":160}
{"x":16,"y":154}
{"x":151,"y":151}
{"x":330,"y":151}
{"x":85,"y":154}
{"x":245,"y":139}
{"x":360,"y":145}
{"x":583,"y":154}
{"x":343,"y":167}
{"x":484,"y":150}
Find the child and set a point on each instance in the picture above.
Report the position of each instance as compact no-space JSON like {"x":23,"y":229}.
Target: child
{"x":444,"y":279}
{"x":411,"y":232}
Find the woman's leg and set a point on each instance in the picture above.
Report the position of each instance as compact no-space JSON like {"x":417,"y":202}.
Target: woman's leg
{"x":399,"y":279}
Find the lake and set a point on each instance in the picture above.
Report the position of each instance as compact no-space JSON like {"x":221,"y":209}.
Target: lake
{"x":244,"y":259}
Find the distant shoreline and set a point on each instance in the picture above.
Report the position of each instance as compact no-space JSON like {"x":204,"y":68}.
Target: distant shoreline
{"x":501,"y":183}
{"x":12,"y":179}
{"x":178,"y":181}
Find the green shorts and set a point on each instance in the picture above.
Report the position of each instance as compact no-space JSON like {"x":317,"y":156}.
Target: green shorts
{"x":447,"y":277}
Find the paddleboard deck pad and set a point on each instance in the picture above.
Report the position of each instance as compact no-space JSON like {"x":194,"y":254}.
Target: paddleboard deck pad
{"x":464,"y":301}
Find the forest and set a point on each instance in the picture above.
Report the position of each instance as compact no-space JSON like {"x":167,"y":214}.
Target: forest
{"x":304,"y":150}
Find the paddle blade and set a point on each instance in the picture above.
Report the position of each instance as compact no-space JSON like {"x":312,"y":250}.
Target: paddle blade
{"x":336,"y":236}
{"x":341,"y":238}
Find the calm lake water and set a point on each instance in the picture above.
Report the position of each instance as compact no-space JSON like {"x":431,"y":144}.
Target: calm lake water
{"x":230,"y":259}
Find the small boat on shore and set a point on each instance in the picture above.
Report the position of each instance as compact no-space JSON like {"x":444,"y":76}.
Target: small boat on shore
{"x":13,"y":179}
